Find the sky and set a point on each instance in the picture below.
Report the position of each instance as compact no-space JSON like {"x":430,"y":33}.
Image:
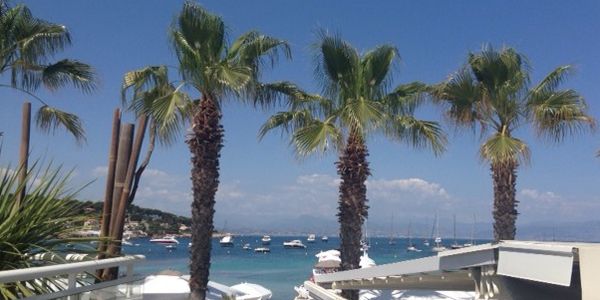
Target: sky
{"x":263,"y":180}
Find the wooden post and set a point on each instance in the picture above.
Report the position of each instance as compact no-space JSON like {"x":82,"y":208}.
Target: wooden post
{"x":124,"y":152}
{"x":118,"y":227}
{"x":110,"y":184}
{"x":24,"y":151}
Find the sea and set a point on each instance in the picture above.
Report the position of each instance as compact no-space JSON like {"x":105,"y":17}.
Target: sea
{"x":280,"y":270}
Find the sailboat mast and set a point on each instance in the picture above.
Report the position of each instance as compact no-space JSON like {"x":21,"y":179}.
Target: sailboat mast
{"x":454,"y":229}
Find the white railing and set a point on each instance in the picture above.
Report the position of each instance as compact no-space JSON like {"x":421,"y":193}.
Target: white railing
{"x":72,"y":270}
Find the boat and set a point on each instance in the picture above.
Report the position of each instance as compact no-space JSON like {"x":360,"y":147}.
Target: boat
{"x":166,"y":240}
{"x":294,"y":244}
{"x":266,"y":240}
{"x":438,"y":247}
{"x":324,"y":239}
{"x":411,"y":246}
{"x":392,"y":241}
{"x":311,"y":238}
{"x":455,"y":245}
{"x":472,"y":234}
{"x":247,"y":247}
{"x":262,"y":250}
{"x":226,"y":241}
{"x":171,"y":246}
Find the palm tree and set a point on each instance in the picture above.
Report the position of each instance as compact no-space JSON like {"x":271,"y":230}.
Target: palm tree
{"x":27,"y":45}
{"x":356,"y":102}
{"x":216,"y":70}
{"x":493,"y":90}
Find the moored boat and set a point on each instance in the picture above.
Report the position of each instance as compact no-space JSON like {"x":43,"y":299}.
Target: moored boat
{"x":266,"y":240}
{"x":226,"y":241}
{"x":324,"y":239}
{"x":166,"y":240}
{"x":294,"y":244}
{"x":311,"y":238}
{"x":262,"y":250}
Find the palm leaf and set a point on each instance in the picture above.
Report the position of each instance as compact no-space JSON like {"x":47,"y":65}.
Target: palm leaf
{"x":67,"y":71}
{"x":417,"y":133}
{"x":50,"y":118}
{"x":375,"y":66}
{"x":502,"y":148}
{"x":316,"y":137}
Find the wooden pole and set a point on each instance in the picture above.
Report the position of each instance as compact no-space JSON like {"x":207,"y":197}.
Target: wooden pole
{"x":24,"y":151}
{"x":110,"y":184}
{"x":117,"y":228}
{"x":125,"y":140}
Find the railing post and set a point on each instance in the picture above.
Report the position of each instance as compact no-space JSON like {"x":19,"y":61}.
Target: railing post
{"x":71,"y":284}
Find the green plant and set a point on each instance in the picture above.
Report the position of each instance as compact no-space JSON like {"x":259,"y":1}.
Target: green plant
{"x":41,"y":223}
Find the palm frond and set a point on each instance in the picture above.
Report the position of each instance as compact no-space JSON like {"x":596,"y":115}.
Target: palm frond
{"x":502,"y":148}
{"x":362,"y":114}
{"x":316,"y":137}
{"x":417,"y":133}
{"x":202,"y":31}
{"x":252,"y":49}
{"x":556,"y":114}
{"x":463,"y":96}
{"x":337,"y":65}
{"x":66,"y":71}
{"x":170,"y":114}
{"x":405,"y":98}
{"x":376,"y":67}
{"x":287,"y":121}
{"x":50,"y":118}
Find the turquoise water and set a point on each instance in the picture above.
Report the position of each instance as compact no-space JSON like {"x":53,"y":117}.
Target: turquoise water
{"x":278,"y":271}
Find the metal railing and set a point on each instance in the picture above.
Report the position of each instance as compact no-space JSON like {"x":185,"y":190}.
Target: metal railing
{"x":72,"y":271}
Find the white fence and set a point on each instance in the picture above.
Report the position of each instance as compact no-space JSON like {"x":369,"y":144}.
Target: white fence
{"x":72,"y":271}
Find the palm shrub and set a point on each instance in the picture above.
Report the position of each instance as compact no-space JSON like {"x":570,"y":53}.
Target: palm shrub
{"x":493,"y":91}
{"x":357,"y":101}
{"x":41,"y":223}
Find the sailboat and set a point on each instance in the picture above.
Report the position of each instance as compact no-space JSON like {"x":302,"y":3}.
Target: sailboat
{"x":411,"y":247}
{"x":392,"y":241}
{"x":472,"y":234}
{"x":438,"y":240}
{"x":455,"y":245}
{"x":426,"y":241}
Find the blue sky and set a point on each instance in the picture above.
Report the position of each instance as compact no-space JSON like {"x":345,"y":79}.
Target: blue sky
{"x":263,"y":179}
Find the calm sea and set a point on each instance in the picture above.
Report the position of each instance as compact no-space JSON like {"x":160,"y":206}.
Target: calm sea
{"x":280,"y":270}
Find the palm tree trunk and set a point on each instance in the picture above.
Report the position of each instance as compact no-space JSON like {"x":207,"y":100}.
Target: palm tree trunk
{"x":205,"y":145}
{"x":353,"y":169}
{"x":504,"y":175}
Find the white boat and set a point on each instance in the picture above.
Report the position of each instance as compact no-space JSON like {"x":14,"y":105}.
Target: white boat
{"x":327,"y":262}
{"x":455,"y":245}
{"x":311,"y":238}
{"x":226,"y":241}
{"x":166,"y":240}
{"x":294,"y":244}
{"x":262,"y":250}
{"x":392,"y":241}
{"x":171,"y":246}
{"x":324,"y":239}
{"x":266,"y":240}
{"x":247,"y":247}
{"x":438,"y":247}
{"x":411,"y":246}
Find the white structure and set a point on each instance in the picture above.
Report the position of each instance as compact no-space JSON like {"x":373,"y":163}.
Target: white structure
{"x":504,"y":270}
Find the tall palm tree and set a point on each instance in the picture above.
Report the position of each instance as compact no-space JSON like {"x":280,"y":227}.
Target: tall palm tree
{"x":356,"y":102}
{"x":493,"y":91}
{"x":216,"y":71}
{"x":27,"y":45}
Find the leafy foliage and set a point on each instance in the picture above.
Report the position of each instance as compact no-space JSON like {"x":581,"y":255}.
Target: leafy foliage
{"x":493,"y":90}
{"x":356,"y":99}
{"x":41,"y":223}
{"x":27,"y":46}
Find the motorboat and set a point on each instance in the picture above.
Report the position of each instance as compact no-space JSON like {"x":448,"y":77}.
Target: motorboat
{"x":262,"y":250}
{"x":171,"y":246}
{"x":294,"y":244}
{"x":411,"y":246}
{"x":166,"y":240}
{"x":266,"y":240}
{"x":324,"y":239}
{"x":247,"y":247}
{"x":226,"y":241}
{"x":311,"y":238}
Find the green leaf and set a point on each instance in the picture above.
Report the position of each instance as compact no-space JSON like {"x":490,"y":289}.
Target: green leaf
{"x":502,"y":148}
{"x":50,"y":118}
